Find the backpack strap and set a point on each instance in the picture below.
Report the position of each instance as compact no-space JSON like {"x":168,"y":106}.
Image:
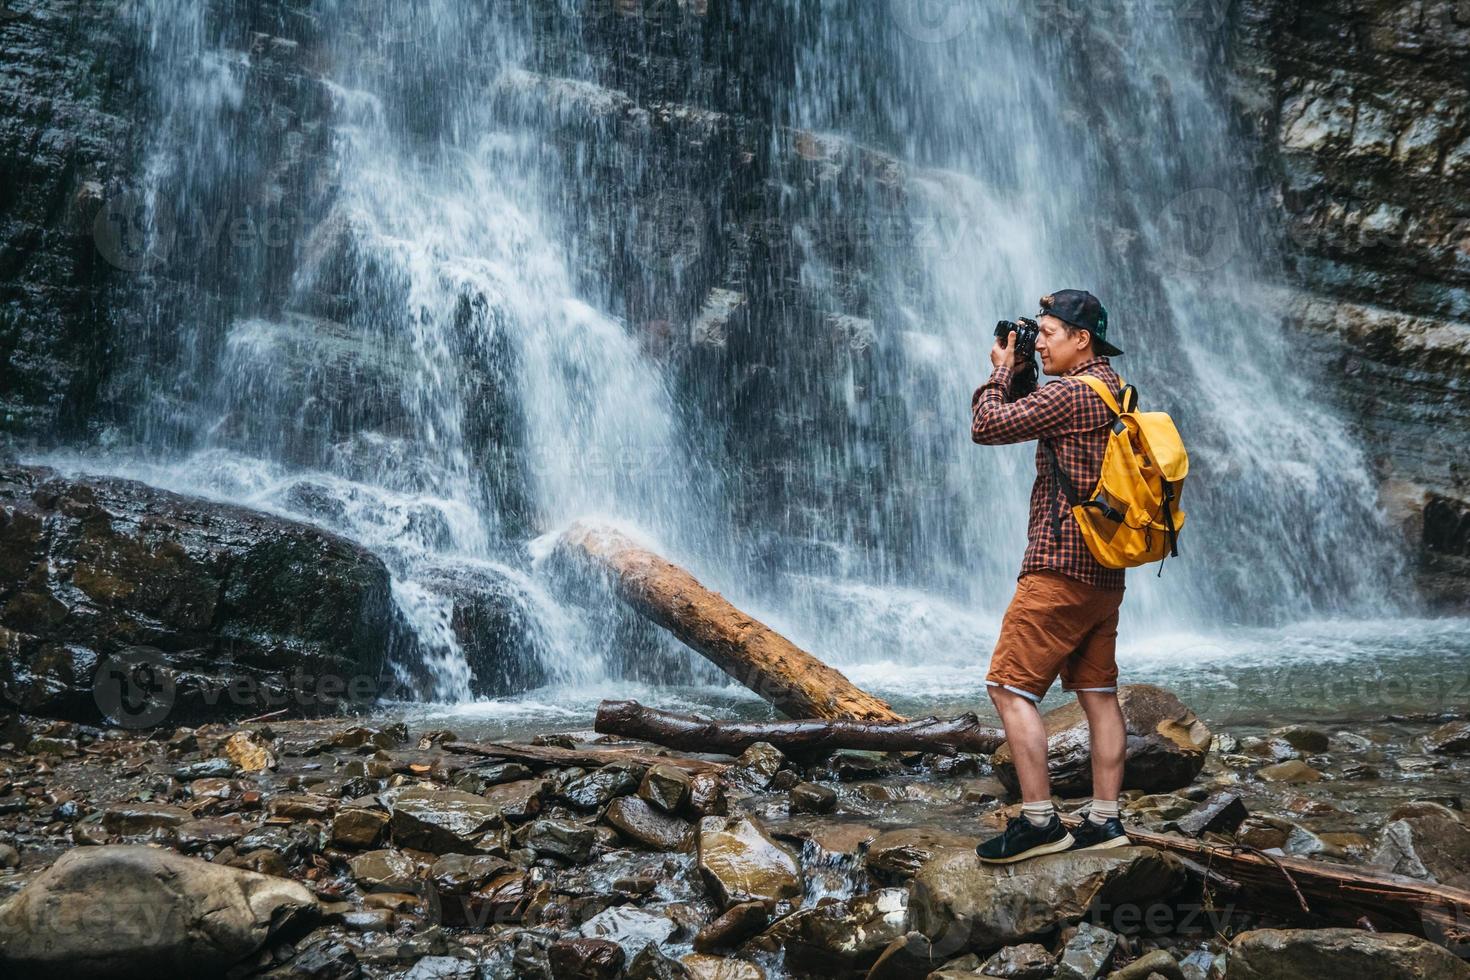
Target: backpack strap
{"x":1129,"y":393}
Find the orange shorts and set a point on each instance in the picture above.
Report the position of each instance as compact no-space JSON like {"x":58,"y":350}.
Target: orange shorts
{"x":1057,"y":625}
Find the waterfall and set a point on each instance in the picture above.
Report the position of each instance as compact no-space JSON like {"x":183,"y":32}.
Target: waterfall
{"x":443,"y":277}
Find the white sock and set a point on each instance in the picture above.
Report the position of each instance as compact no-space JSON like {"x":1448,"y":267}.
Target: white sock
{"x":1101,"y":811}
{"x":1039,"y":814}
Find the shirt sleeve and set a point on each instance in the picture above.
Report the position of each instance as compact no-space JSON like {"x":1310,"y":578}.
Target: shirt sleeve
{"x":1046,"y":412}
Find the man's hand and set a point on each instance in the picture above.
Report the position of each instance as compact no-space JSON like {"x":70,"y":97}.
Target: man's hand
{"x":1004,"y":357}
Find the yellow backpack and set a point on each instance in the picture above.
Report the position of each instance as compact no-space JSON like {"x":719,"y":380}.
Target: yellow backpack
{"x":1133,"y":516}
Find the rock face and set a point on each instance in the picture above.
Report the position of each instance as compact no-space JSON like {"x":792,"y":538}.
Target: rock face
{"x":957,"y":901}
{"x":1167,"y":744}
{"x":135,"y":911}
{"x":1363,"y":115}
{"x":1286,"y":954}
{"x":180,"y":608}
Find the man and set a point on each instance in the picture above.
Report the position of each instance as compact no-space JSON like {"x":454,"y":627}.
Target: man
{"x":1063,"y":618}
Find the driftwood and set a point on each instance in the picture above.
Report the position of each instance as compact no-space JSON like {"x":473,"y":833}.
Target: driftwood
{"x":798,"y":684}
{"x":554,"y":755}
{"x":693,"y":733}
{"x":1315,"y":889}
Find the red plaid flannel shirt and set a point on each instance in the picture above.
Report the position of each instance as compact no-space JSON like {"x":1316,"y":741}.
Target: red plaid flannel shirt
{"x":1076,"y":421}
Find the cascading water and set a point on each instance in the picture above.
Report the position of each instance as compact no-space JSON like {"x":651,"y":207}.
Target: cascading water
{"x":470,"y":231}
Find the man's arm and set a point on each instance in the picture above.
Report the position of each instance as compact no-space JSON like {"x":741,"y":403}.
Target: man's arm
{"x":1044,"y":413}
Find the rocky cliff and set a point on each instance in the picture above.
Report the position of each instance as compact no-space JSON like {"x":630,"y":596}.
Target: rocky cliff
{"x":1362,"y":110}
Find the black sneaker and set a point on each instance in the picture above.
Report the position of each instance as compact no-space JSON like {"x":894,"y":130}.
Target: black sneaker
{"x":1096,"y":836}
{"x":1023,"y":839}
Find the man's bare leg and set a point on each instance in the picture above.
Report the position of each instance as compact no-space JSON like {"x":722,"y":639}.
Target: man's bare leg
{"x":1027,"y":737}
{"x":1109,"y":740}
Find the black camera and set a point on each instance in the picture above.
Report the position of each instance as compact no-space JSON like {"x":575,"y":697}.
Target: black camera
{"x":1023,"y":382}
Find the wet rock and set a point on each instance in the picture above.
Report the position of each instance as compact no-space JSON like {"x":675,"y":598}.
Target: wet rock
{"x":954,"y":899}
{"x":140,"y":818}
{"x":666,"y":787}
{"x":648,"y":827}
{"x":1292,"y":771}
{"x":1302,"y":738}
{"x":652,"y":964}
{"x":308,"y":806}
{"x":1414,"y":764}
{"x":702,"y":966}
{"x":478,"y":778}
{"x":756,"y":766}
{"x":1428,"y":842}
{"x":851,"y":764}
{"x":325,"y":959}
{"x":740,"y":862}
{"x":1166,"y":744}
{"x":1263,"y":833}
{"x":358,"y":828}
{"x":157,"y":912}
{"x":559,"y":838}
{"x":9,"y":856}
{"x":596,"y":789}
{"x":631,"y":928}
{"x":261,"y":862}
{"x":1025,"y":961}
{"x":441,"y":821}
{"x":387,"y":870}
{"x":300,"y":610}
{"x":443,"y":968}
{"x":586,"y":959}
{"x":738,"y":923}
{"x":707,"y":795}
{"x":1279,"y":954}
{"x":205,"y":769}
{"x":1222,"y":813}
{"x":208,"y":833}
{"x":517,"y":801}
{"x":1450,"y":739}
{"x":899,"y":854}
{"x":1087,"y":954}
{"x":837,"y":938}
{"x":1156,"y":963}
{"x":1270,"y":749}
{"x":460,"y":874}
{"x":248,"y":753}
{"x":813,"y":798}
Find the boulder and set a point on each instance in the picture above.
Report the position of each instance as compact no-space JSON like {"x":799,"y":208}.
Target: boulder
{"x":1087,"y":954}
{"x":126,"y":911}
{"x":586,"y":959}
{"x":838,"y":938}
{"x":812,"y":798}
{"x":648,"y":826}
{"x":134,"y":605}
{"x":1025,"y":961}
{"x":1426,"y":841}
{"x":666,"y":787}
{"x":384,"y":870}
{"x":1450,"y":739}
{"x":1167,"y":744}
{"x":740,"y":862}
{"x":631,"y":928}
{"x":897,"y":855}
{"x":702,"y":966}
{"x":1221,"y":813}
{"x":358,"y":828}
{"x":441,"y":821}
{"x":559,"y":838}
{"x":1289,"y":954}
{"x":735,"y":925}
{"x":957,"y":901}
{"x":597,"y":788}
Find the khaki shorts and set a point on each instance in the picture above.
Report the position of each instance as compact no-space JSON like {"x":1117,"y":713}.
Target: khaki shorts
{"x":1057,"y":625}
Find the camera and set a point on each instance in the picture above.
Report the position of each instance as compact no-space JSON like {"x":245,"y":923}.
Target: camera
{"x":1023,"y":382}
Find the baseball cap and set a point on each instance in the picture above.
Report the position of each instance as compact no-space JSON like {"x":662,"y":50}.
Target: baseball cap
{"x":1081,"y":309}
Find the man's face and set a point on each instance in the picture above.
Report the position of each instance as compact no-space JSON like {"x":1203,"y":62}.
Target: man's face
{"x":1059,"y":351}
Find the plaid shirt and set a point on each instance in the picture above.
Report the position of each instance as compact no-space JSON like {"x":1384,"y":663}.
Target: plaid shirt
{"x":1075,"y":420}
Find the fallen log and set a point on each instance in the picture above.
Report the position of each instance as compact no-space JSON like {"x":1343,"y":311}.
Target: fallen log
{"x":798,"y":684}
{"x":630,"y":719}
{"x":554,"y":755}
{"x":1331,"y":892}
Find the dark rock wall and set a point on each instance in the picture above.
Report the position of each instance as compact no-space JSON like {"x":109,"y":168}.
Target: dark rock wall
{"x":1363,"y":112}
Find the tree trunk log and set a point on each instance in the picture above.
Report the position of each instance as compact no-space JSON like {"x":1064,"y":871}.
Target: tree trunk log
{"x":1318,"y":890}
{"x":798,"y":684}
{"x":693,"y":733}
